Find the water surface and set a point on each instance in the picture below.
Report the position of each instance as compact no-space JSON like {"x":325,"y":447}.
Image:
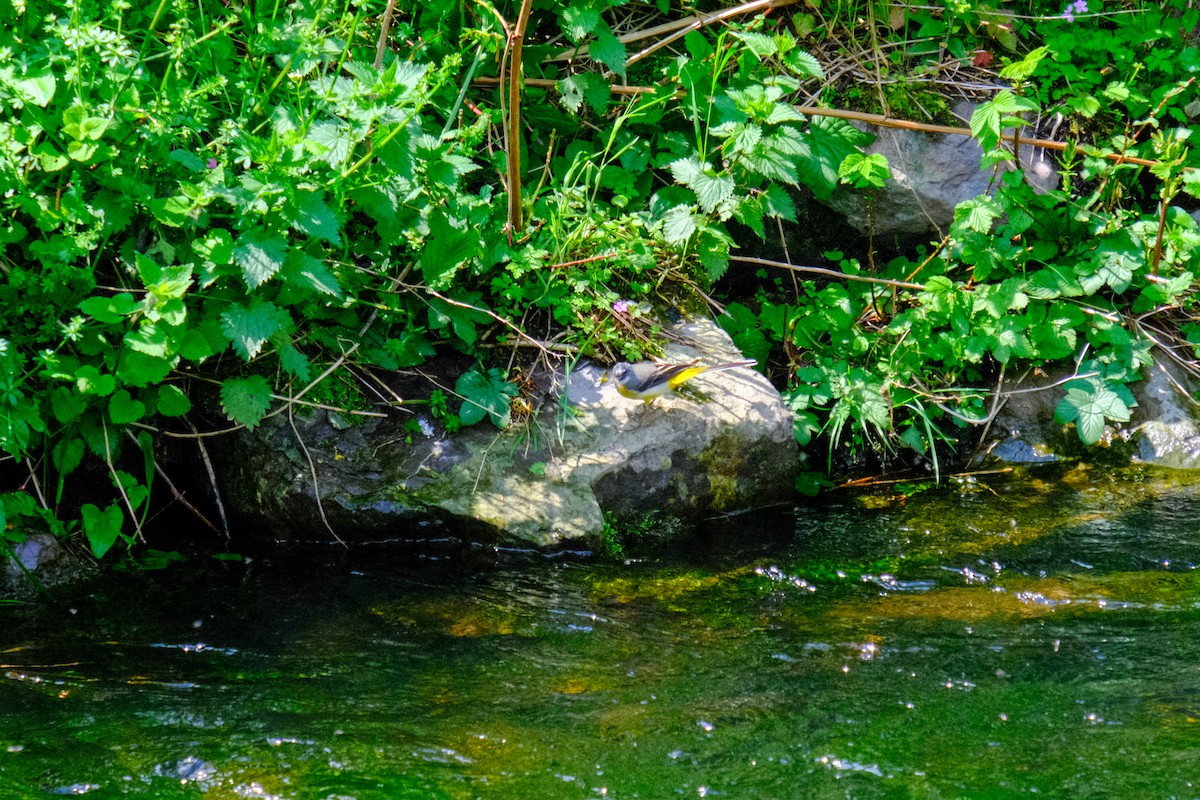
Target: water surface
{"x":999,"y":638}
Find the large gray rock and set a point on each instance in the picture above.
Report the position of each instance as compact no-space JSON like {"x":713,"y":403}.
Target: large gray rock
{"x":1164,"y":429}
{"x":551,"y":480}
{"x":931,"y":175}
{"x":40,"y":562}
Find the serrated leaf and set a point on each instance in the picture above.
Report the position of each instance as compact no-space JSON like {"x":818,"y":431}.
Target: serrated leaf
{"x":760,"y":44}
{"x":260,"y":253}
{"x":249,"y":327}
{"x":585,"y":87}
{"x":330,"y":141}
{"x":804,"y":65}
{"x":292,"y":360}
{"x":448,"y":245}
{"x":678,"y":225}
{"x":780,"y":203}
{"x":978,"y":213}
{"x":685,"y":170}
{"x":579,"y":21}
{"x":304,"y":271}
{"x":316,"y":219}
{"x":246,"y":400}
{"x":609,"y":51}
{"x":712,"y":190}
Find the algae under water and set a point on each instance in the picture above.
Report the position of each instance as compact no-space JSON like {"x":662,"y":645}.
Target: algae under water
{"x":1020,"y":636}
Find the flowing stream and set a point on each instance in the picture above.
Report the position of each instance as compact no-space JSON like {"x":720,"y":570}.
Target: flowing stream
{"x":1000,"y":637}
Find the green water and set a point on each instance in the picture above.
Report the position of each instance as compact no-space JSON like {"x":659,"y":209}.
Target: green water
{"x":1006,"y":638}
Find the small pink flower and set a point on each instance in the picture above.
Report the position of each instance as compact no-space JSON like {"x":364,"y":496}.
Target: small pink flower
{"x":621,"y":307}
{"x":211,"y":163}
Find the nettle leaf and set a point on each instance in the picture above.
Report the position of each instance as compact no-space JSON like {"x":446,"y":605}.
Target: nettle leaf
{"x":314,"y":217}
{"x":829,"y":141}
{"x":686,"y":170}
{"x":330,"y":141}
{"x":712,"y":189}
{"x":804,"y":65}
{"x":216,"y":245}
{"x":1022,"y":70}
{"x":139,"y":369}
{"x":246,"y":400}
{"x":249,"y":327}
{"x":780,"y":203}
{"x":678,"y":225}
{"x":260,"y":253}
{"x":449,"y":244}
{"x":485,"y":394}
{"x":760,"y":44}
{"x":609,"y":51}
{"x":579,"y":21}
{"x":306,"y":272}
{"x":292,"y":360}
{"x":586,"y":86}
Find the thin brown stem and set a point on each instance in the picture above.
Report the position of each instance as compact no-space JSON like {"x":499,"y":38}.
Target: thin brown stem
{"x":515,"y":82}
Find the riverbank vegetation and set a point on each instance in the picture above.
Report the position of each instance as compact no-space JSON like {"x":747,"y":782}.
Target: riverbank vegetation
{"x":217,"y":212}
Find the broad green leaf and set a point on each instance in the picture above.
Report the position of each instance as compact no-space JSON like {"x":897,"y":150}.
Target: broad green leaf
{"x":779,"y":202}
{"x":101,"y":527}
{"x":712,"y":190}
{"x":760,"y":44}
{"x":172,"y":402}
{"x":139,"y":369}
{"x":585,"y":87}
{"x":68,"y":455}
{"x":249,"y":327}
{"x":314,"y":217}
{"x":449,"y":244}
{"x":686,"y":170}
{"x":580,"y":20}
{"x":609,"y":51}
{"x":123,"y":409}
{"x":864,"y":171}
{"x":978,"y":213}
{"x":461,"y":317}
{"x":678,"y":225}
{"x":66,"y":405}
{"x":110,"y":310}
{"x":1022,"y":70}
{"x":485,"y":394}
{"x":292,"y":360}
{"x":36,"y":86}
{"x":246,"y":400}
{"x":308,"y":272}
{"x":89,"y":380}
{"x":260,"y":253}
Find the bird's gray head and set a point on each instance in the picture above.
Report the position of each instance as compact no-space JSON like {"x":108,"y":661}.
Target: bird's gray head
{"x":621,"y":371}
